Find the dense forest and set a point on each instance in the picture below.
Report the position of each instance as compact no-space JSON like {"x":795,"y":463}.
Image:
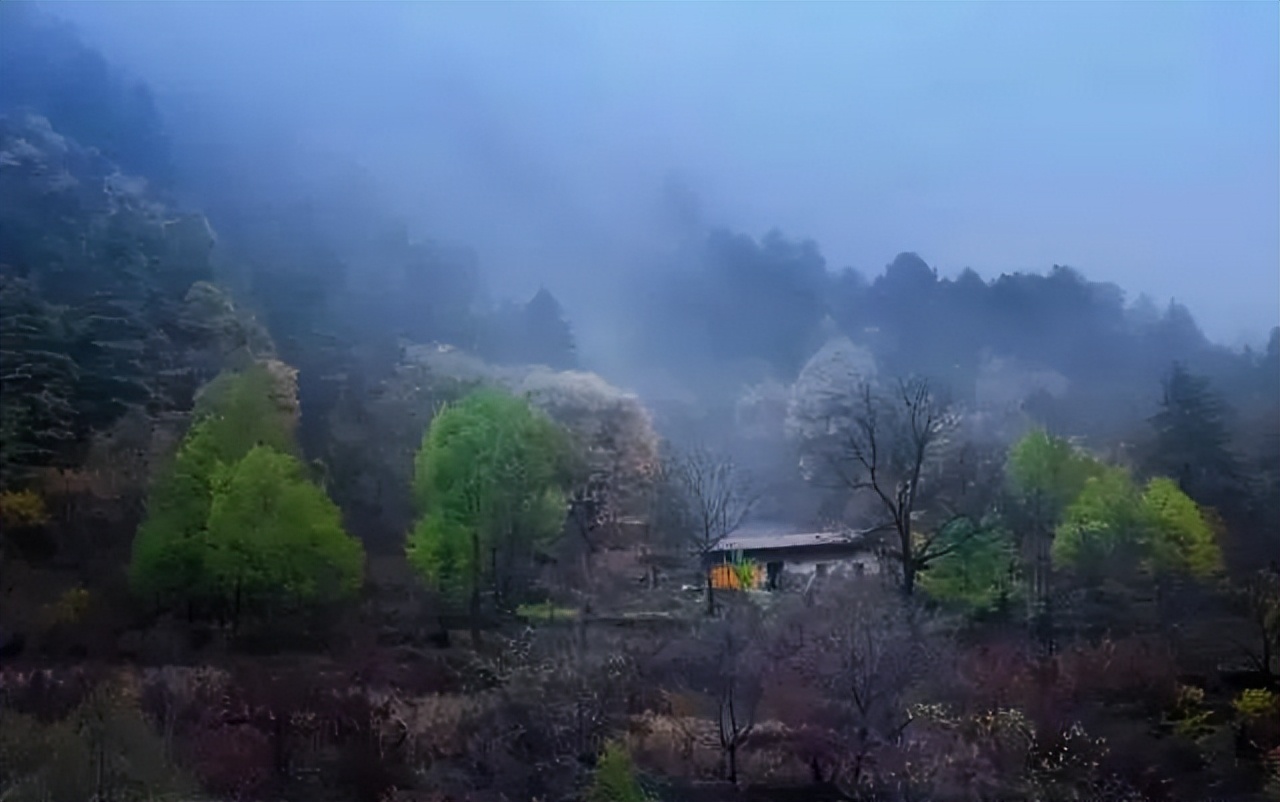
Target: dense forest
{"x":297,"y":506}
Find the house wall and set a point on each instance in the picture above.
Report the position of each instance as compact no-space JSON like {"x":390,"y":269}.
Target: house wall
{"x":804,"y":566}
{"x":798,"y":564}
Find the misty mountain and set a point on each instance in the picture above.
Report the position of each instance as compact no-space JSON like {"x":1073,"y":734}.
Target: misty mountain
{"x":336,"y":274}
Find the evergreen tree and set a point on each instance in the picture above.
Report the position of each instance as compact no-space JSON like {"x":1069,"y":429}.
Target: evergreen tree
{"x":546,"y":338}
{"x":1192,"y":440}
{"x":37,"y":416}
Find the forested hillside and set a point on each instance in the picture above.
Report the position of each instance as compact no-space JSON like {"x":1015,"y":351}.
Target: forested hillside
{"x":295,"y":505}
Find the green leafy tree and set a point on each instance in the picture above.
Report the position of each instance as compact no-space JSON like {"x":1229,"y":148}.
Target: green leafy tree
{"x":1179,"y":537}
{"x":273,"y":538}
{"x":167,"y":551}
{"x":1115,"y":526}
{"x":1049,"y":471}
{"x":490,"y":481}
{"x":236,"y":412}
{"x":247,"y":408}
{"x":1124,"y":548}
{"x":1044,"y":475}
{"x":234,"y":520}
{"x":977,"y":574}
{"x":1104,"y":527}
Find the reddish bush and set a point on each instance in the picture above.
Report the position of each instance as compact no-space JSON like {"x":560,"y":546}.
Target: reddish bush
{"x":1136,"y":671}
{"x":371,"y":749}
{"x":181,"y":700}
{"x":233,"y":761}
{"x":1132,"y":671}
{"x":49,"y":695}
{"x":997,"y":675}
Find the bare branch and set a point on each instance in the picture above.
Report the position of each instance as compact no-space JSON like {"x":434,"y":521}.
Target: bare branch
{"x":889,"y":449}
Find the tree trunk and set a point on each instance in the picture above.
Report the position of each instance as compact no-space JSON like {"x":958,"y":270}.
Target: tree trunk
{"x":493,"y":571}
{"x":1266,"y":658}
{"x":1045,"y":613}
{"x":711,"y":596}
{"x":474,"y":612}
{"x":908,"y":553}
{"x":279,"y":738}
{"x":732,"y":753}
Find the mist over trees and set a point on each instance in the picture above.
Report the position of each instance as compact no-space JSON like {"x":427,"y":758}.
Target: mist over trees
{"x":269,"y":439}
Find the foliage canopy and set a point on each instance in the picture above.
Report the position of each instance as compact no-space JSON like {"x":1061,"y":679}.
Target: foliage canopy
{"x":1115,"y":523}
{"x":490,"y":481}
{"x":235,"y":520}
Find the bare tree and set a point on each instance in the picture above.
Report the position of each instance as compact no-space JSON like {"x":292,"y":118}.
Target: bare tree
{"x":716,"y":498}
{"x":849,"y":664}
{"x":740,"y":686}
{"x":1259,"y":599}
{"x":590,"y":511}
{"x":891,"y":448}
{"x":720,"y":666}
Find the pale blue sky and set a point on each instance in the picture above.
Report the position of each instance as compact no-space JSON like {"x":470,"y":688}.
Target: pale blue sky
{"x":1138,"y":142}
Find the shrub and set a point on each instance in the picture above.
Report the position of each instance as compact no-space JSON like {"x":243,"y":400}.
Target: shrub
{"x":1259,"y":712}
{"x":22,"y":509}
{"x":1256,"y":703}
{"x":103,"y":749}
{"x":615,"y":777}
{"x":69,"y":608}
{"x":234,"y":761}
{"x":1189,"y":717}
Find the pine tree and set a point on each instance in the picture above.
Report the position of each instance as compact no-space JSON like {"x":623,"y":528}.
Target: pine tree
{"x":548,"y":339}
{"x":37,"y":418}
{"x":1192,"y":441}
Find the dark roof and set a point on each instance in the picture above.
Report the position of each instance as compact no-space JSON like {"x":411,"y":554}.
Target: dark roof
{"x":767,"y":538}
